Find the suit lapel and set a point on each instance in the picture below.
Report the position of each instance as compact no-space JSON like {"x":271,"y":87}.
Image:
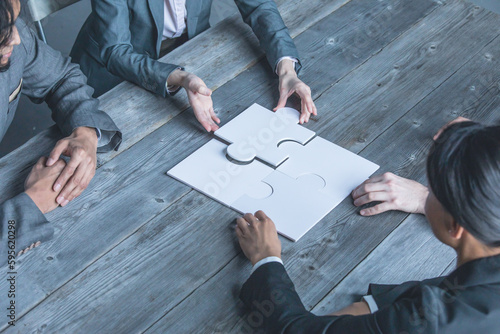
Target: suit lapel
{"x":193,"y":8}
{"x":156,"y":7}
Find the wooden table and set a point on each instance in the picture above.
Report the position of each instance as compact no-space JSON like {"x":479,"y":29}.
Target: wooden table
{"x":141,"y":252}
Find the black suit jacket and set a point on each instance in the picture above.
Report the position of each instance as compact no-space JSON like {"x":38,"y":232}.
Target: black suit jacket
{"x":466,"y":301}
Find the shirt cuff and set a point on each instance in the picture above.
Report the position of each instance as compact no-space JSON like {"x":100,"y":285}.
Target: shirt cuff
{"x":295,"y":61}
{"x":99,"y":134}
{"x":372,"y":304}
{"x":264,"y":261}
{"x":172,"y":90}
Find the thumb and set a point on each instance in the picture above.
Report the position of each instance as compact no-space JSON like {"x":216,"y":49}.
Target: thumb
{"x":204,"y":90}
{"x":56,"y":153}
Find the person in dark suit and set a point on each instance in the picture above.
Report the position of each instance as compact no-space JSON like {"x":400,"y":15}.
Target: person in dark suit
{"x":463,"y":169}
{"x":123,"y":40}
{"x":29,"y":66}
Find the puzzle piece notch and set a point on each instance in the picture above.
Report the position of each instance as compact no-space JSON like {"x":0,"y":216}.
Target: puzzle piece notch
{"x":257,"y":132}
{"x":295,"y":205}
{"x":341,"y":169}
{"x":208,"y":171}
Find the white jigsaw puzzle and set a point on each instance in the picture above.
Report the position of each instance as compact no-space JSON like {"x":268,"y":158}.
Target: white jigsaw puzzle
{"x":210,"y":172}
{"x":314,"y":178}
{"x":295,"y":205}
{"x":341,"y":169}
{"x":257,"y":131}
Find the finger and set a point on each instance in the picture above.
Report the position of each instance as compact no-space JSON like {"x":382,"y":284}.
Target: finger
{"x":80,"y":185}
{"x":368,"y":188}
{"x":239,"y":232}
{"x":315,"y":111}
{"x":42,"y":161}
{"x":375,"y":210}
{"x":260,"y":215}
{"x":250,"y":219}
{"x":73,"y":186}
{"x":373,"y":179}
{"x":282,"y":101}
{"x":204,"y":90}
{"x":214,"y":116}
{"x":377,"y":196}
{"x":303,"y":112}
{"x":310,"y":107}
{"x":67,"y":172}
{"x":57,"y":151}
{"x":242,"y":224}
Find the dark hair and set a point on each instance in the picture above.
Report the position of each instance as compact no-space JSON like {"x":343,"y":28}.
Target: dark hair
{"x":6,"y":24}
{"x":6,"y":21}
{"x":463,"y":168}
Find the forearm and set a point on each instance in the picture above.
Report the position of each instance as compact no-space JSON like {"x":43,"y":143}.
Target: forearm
{"x":29,"y":224}
{"x":265,"y":20}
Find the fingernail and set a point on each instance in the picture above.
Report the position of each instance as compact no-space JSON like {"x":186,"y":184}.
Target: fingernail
{"x":58,"y":186}
{"x":50,"y":161}
{"x":362,"y":212}
{"x":65,"y":203}
{"x":60,"y":200}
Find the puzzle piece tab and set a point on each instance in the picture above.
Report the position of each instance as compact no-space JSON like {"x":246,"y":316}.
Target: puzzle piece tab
{"x":257,"y":131}
{"x":295,"y":205}
{"x":341,"y":169}
{"x":210,"y":172}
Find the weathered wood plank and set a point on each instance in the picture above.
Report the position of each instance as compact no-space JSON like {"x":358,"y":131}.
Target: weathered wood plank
{"x":472,"y":92}
{"x":411,"y":252}
{"x":361,"y":236}
{"x":230,"y":47}
{"x":113,"y":185}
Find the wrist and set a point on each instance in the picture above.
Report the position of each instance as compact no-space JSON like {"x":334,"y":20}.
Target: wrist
{"x":423,"y":198}
{"x":177,"y":78}
{"x":259,"y":257}
{"x":286,"y":67}
{"x":88,"y":132}
{"x":36,"y":198}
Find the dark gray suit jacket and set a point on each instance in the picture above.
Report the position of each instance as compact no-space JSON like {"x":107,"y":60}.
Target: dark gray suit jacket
{"x":466,"y":301}
{"x":46,"y":76}
{"x":121,"y":39}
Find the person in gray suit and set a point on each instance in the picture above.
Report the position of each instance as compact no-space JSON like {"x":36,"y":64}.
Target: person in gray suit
{"x":29,"y":66}
{"x":123,"y":39}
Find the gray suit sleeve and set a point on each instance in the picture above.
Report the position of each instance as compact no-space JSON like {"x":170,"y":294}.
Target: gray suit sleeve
{"x":118,"y":54}
{"x":266,"y":22}
{"x":50,"y":77}
{"x":30,"y":226}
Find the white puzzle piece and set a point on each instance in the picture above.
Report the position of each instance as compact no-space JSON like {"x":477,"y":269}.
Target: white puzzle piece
{"x":341,"y":169}
{"x":210,"y":172}
{"x":295,"y":205}
{"x":257,"y":131}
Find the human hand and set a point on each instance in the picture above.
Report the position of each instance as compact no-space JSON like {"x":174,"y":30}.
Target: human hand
{"x":358,"y":308}
{"x":456,"y":120}
{"x":258,"y":237}
{"x":199,"y":96}
{"x":38,"y":184}
{"x":81,"y":147}
{"x":395,"y":193}
{"x":290,"y":84}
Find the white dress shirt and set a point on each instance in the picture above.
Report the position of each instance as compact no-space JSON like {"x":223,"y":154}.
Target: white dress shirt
{"x":174,"y":22}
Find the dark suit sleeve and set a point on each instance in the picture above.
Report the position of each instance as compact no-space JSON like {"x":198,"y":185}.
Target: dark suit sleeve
{"x":30,"y":226}
{"x":266,"y":22}
{"x":118,"y":54}
{"x":50,"y":77}
{"x":275,"y":307}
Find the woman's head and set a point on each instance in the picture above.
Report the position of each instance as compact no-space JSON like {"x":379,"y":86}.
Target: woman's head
{"x":9,"y":37}
{"x":463,"y":169}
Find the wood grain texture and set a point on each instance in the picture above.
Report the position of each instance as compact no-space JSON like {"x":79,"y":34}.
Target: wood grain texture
{"x":135,"y":177}
{"x":133,"y":188}
{"x":216,"y":56}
